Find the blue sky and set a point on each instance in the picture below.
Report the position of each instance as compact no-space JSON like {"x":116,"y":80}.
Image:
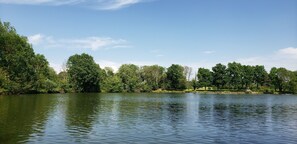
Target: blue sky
{"x":196,"y":33}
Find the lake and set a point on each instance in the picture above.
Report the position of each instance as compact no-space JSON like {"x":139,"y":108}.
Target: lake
{"x":148,"y":118}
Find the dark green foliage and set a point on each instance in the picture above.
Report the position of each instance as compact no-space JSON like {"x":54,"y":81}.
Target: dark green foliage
{"x":260,"y":75}
{"x":17,"y":59}
{"x":282,"y":79}
{"x":129,"y":73}
{"x":175,"y":77}
{"x":204,"y":77}
{"x":247,"y":77}
{"x":234,"y":74}
{"x":219,"y":75}
{"x":293,"y":83}
{"x":84,"y":73}
{"x":22,"y":70}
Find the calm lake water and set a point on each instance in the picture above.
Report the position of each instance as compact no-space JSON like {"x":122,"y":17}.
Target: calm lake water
{"x":148,"y":118}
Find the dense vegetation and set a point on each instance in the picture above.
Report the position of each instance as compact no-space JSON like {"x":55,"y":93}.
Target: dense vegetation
{"x":23,"y":71}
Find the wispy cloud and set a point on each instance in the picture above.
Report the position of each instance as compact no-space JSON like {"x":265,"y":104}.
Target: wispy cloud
{"x":157,"y":53}
{"x":116,"y":4}
{"x":285,"y":57}
{"x":209,"y":52}
{"x":35,"y":39}
{"x":93,"y":43}
{"x":288,"y":52}
{"x":95,"y":4}
{"x":38,"y":2}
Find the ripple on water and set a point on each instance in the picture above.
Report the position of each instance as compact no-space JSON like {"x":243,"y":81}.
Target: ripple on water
{"x":148,"y":118}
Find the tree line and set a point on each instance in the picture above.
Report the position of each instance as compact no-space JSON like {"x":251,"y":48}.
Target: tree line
{"x":23,"y":71}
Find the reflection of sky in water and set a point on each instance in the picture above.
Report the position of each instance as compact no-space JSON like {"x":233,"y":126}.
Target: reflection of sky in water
{"x":176,"y":118}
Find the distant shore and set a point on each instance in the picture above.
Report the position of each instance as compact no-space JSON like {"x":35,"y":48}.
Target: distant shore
{"x":214,"y":92}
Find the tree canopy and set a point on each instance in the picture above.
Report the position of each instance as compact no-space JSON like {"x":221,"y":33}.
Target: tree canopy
{"x":176,"y":78}
{"x":23,"y":71}
{"x":84,"y":73}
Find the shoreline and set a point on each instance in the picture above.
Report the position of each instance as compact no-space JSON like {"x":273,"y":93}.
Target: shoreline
{"x":216,"y":92}
{"x":219,"y":92}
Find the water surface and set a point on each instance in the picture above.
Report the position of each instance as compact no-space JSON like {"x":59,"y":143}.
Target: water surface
{"x":148,"y":118}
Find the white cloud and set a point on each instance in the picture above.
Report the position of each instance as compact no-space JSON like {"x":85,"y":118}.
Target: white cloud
{"x":107,"y":63}
{"x":56,"y":67}
{"x":36,"y":2}
{"x":96,"y":4}
{"x":117,"y":4}
{"x":93,"y":43}
{"x":35,"y":39}
{"x":209,"y":52}
{"x":285,"y":57}
{"x":96,"y":43}
{"x":288,"y":52}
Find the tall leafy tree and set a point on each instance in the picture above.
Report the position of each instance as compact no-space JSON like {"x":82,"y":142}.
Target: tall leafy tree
{"x":260,"y":75}
{"x":204,"y":77}
{"x":280,"y":78}
{"x":16,"y":58}
{"x":219,"y":75}
{"x":274,"y":78}
{"x":234,"y":74}
{"x":42,"y":74}
{"x":176,"y":78}
{"x":129,"y":73}
{"x":293,"y":83}
{"x":247,"y":76}
{"x":153,"y":76}
{"x":84,"y":73}
{"x":24,"y":70}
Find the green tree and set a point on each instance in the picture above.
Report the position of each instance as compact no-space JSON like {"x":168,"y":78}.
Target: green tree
{"x":152,"y":76}
{"x":219,"y":75}
{"x":84,"y":73}
{"x":46,"y":77}
{"x":293,"y":83}
{"x":260,"y":75}
{"x":129,"y":73}
{"x":16,"y":58}
{"x":25,"y":71}
{"x":204,"y":77}
{"x":108,"y":71}
{"x":247,"y":77}
{"x":113,"y":84}
{"x":234,"y":74}
{"x":176,"y":78}
{"x":4,"y":81}
{"x":64,"y":82}
{"x":280,"y":78}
